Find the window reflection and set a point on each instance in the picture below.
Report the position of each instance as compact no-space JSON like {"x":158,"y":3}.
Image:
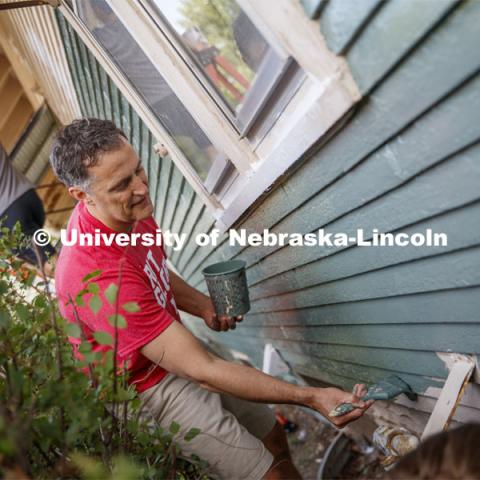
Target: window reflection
{"x":221,"y":37}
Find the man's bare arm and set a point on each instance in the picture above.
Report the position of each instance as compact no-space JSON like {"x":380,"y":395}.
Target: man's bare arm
{"x":179,"y":352}
{"x":192,"y":301}
{"x":187,"y":298}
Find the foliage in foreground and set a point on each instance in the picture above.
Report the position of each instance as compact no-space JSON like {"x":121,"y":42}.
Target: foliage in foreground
{"x":56,"y":421}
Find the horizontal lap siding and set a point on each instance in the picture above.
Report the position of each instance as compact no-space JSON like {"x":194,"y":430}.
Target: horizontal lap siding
{"x":407,"y":160}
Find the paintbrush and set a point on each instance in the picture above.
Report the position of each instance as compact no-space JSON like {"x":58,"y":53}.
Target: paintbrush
{"x":386,"y":389}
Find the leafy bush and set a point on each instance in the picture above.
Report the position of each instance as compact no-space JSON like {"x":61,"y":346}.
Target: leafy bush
{"x":56,"y":421}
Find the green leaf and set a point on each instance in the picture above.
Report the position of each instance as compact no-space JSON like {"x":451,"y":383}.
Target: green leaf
{"x":89,"y":357}
{"x":174,"y":428}
{"x":131,"y":307}
{"x":22,"y":311}
{"x":85,"y":347}
{"x":95,"y":304}
{"x":191,"y":434}
{"x":103,"y":338}
{"x":121,"y":322}
{"x":135,"y":404}
{"x":4,"y":318}
{"x":93,"y":288}
{"x":111,"y":293}
{"x":3,"y":287}
{"x":40,"y":301}
{"x":73,"y":330}
{"x":93,"y":274}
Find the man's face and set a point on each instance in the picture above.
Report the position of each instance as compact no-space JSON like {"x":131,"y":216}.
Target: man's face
{"x":118,"y":194}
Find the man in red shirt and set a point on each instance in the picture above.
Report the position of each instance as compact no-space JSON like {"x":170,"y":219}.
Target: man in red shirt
{"x":175,"y":376}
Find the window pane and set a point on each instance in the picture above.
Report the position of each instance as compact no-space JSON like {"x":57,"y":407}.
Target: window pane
{"x":221,"y":37}
{"x":109,"y":31}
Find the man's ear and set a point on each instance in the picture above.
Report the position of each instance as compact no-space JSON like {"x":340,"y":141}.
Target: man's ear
{"x":80,"y":195}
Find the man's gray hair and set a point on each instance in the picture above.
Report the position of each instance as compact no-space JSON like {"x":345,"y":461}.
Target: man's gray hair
{"x":79,"y":146}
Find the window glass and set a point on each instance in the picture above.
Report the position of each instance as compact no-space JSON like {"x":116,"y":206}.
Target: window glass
{"x":223,"y":40}
{"x":109,"y":31}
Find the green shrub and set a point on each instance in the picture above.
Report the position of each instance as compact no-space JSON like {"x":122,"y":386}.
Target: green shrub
{"x":56,"y":421}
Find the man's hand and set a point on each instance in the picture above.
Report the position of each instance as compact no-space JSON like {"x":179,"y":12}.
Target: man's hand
{"x":324,"y":400}
{"x":219,"y":324}
{"x":192,"y":301}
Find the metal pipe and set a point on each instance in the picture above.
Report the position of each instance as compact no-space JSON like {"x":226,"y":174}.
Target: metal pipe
{"x":28,"y":3}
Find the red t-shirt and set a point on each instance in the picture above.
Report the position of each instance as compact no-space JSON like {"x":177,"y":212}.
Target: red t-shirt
{"x":144,"y":280}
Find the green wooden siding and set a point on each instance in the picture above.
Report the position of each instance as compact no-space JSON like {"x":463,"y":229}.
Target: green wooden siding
{"x":408,"y":159}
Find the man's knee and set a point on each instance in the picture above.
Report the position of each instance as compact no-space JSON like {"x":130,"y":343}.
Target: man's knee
{"x":276,"y":442}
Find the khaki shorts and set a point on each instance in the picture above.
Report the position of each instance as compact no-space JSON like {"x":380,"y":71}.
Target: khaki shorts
{"x":231,"y":428}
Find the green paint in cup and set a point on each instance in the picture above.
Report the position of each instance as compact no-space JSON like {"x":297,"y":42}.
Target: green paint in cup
{"x":227,"y":285}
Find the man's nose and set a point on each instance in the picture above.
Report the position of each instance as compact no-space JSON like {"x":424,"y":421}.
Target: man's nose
{"x":139,"y":187}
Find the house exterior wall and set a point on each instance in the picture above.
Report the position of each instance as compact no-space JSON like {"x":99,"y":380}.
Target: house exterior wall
{"x":407,"y":159}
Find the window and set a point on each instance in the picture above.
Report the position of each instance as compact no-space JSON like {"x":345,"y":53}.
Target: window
{"x":237,"y":90}
{"x":227,"y":51}
{"x":209,"y":163}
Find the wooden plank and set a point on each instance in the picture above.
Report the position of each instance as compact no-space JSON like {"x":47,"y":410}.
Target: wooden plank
{"x":396,"y":29}
{"x":432,"y":71}
{"x":193,"y":217}
{"x":115,"y":97}
{"x":204,"y":224}
{"x":158,"y":169}
{"x":193,"y":269}
{"x":10,"y":95}
{"x":68,"y":45}
{"x":125,"y":114}
{"x":342,"y":20}
{"x":452,"y":270}
{"x":145,"y":150}
{"x":172,"y":197}
{"x":96,"y":95}
{"x":161,"y":193}
{"x":84,"y":66}
{"x":462,"y":227}
{"x":17,"y":122}
{"x":450,"y":397}
{"x":136,"y":137}
{"x":424,"y":307}
{"x":105,"y":92}
{"x":5,"y":69}
{"x":186,"y":204}
{"x":432,"y":338}
{"x":173,"y":202}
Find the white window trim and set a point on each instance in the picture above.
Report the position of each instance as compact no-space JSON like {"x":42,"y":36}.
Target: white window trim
{"x":327,"y":93}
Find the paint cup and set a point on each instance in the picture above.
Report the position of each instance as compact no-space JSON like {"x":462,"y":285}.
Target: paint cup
{"x":227,"y":285}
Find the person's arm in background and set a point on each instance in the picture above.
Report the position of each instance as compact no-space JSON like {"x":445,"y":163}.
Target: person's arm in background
{"x":213,"y":373}
{"x":192,"y":301}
